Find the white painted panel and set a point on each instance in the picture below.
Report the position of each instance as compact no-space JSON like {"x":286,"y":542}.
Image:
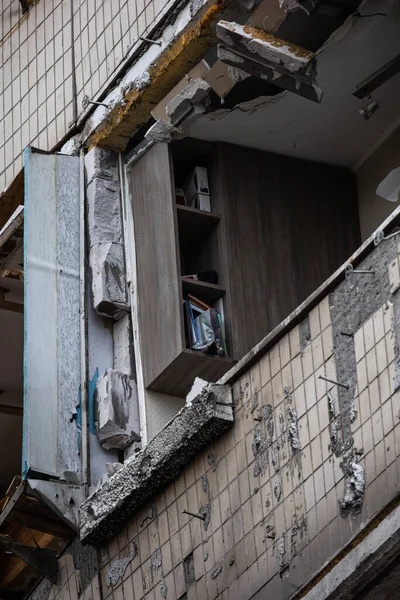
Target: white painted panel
{"x":52,"y":334}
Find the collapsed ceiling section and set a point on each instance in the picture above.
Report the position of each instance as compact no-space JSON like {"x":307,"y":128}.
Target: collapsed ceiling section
{"x":333,"y":129}
{"x":254,"y":87}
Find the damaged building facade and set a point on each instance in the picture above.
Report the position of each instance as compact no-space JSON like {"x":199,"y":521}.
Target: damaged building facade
{"x":199,"y":299}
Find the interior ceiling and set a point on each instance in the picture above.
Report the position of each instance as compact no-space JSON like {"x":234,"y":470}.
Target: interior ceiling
{"x":332,"y":131}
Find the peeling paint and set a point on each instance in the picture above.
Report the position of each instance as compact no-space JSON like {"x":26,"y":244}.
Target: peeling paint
{"x":274,"y":459}
{"x":336,"y":443}
{"x":352,"y":412}
{"x":216,"y":571}
{"x":293,"y":431}
{"x":205,"y":512}
{"x":156,"y":560}
{"x":163,"y":588}
{"x":142,"y":81}
{"x":148,"y":516}
{"x":331,"y":406}
{"x":270,"y":532}
{"x":269,"y":422}
{"x":278,"y":489}
{"x":260,"y":453}
{"x":354,"y":486}
{"x":117,"y":568}
{"x":281,"y":547}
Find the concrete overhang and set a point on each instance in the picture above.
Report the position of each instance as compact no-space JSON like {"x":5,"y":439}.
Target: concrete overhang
{"x":146,"y":85}
{"x":104,"y":513}
{"x":179,"y":47}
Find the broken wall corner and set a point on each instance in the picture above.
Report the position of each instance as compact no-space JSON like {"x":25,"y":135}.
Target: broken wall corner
{"x":104,"y":217}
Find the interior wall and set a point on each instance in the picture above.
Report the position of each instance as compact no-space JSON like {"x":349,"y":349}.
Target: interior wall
{"x":373,"y":209}
{"x":289,"y":224}
{"x":11,"y":383}
{"x":160,"y":408}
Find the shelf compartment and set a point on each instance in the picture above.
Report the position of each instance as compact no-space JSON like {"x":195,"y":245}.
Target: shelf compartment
{"x":208,"y":292}
{"x":177,"y":378}
{"x":195,"y":225}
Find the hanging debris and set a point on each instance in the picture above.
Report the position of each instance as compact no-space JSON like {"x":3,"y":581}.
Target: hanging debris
{"x":263,"y":55}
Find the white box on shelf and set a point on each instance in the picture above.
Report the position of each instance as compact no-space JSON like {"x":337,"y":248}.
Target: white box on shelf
{"x":201,"y":201}
{"x":197,"y":183}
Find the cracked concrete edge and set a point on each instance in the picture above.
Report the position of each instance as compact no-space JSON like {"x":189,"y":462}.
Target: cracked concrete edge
{"x":361,"y":564}
{"x":183,"y":45}
{"x":109,"y":507}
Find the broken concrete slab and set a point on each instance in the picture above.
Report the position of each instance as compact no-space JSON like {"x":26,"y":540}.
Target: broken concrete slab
{"x":299,"y":84}
{"x":161,"y":131}
{"x":197,"y":92}
{"x":259,"y":45}
{"x":109,"y":290}
{"x":117,"y":410}
{"x":107,"y":509}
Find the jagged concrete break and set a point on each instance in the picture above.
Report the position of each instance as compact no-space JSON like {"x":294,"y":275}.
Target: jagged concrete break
{"x":103,"y":514}
{"x":117,"y":410}
{"x":106,"y":254}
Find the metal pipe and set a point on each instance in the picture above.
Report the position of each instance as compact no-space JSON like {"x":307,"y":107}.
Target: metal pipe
{"x":145,"y":39}
{"x":342,"y":385}
{"x":187,"y":512}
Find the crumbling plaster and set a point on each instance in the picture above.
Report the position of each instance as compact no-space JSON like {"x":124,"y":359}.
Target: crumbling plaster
{"x":181,"y":44}
{"x":106,"y":248}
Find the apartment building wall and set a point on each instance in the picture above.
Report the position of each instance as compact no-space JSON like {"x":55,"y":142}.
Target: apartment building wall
{"x":299,"y":475}
{"x":53,"y":55}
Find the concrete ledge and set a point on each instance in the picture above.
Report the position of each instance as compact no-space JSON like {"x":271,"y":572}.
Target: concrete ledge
{"x":103,"y":514}
{"x":366,"y":565}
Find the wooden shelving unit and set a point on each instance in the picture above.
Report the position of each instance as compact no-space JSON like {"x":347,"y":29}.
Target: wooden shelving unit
{"x":182,"y":241}
{"x":209,"y":292}
{"x":253,"y":238}
{"x":194,"y":225}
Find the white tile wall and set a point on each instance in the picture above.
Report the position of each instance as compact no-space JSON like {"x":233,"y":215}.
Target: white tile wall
{"x":37,"y":52}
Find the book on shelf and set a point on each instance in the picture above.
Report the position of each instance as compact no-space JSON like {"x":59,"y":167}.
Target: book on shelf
{"x":204,"y":328}
{"x":198,"y":303}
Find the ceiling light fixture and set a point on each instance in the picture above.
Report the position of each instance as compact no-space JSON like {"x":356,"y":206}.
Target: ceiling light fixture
{"x":369,"y":109}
